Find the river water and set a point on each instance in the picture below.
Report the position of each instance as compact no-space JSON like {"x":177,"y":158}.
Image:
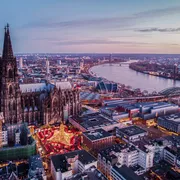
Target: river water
{"x":124,"y":75}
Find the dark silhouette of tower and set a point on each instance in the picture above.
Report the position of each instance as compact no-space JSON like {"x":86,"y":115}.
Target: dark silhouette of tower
{"x":110,"y":58}
{"x":175,"y":71}
{"x":10,"y":95}
{"x":24,"y":135}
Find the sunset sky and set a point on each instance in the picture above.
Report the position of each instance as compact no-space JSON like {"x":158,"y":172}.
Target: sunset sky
{"x":92,"y":26}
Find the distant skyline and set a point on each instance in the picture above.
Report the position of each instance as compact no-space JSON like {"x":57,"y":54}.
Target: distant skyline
{"x":91,"y":26}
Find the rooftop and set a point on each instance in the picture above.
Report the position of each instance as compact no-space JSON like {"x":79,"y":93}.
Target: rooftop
{"x":91,"y":174}
{"x":96,"y":134}
{"x":35,"y":162}
{"x":109,"y":152}
{"x":132,"y":130}
{"x":89,"y":96}
{"x":95,"y":120}
{"x":174,"y":118}
{"x":63,"y":85}
{"x":127,"y":173}
{"x":60,"y":162}
{"x":35,"y":87}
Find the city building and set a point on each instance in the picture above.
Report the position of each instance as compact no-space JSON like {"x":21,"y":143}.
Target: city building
{"x":21,"y":63}
{"x":17,"y":136}
{"x":91,"y":174}
{"x":17,"y":144}
{"x":13,"y":171}
{"x":114,"y":113}
{"x":36,"y":169}
{"x":4,"y":135}
{"x":38,"y":103}
{"x":97,"y":139}
{"x":137,"y":155}
{"x":47,"y":70}
{"x":170,"y":122}
{"x":123,"y":173}
{"x":170,"y":155}
{"x":59,"y":62}
{"x":146,"y":158}
{"x":66,"y":165}
{"x":1,"y":129}
{"x":93,"y":121}
{"x":149,"y":111}
{"x":107,"y":87}
{"x":119,"y":155}
{"x":90,"y":98}
{"x":18,"y":152}
{"x":156,"y":109}
{"x":131,"y":133}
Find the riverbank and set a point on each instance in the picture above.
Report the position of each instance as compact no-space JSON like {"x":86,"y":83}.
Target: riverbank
{"x":129,"y":77}
{"x":121,"y":86}
{"x":94,"y":74}
{"x":153,"y":74}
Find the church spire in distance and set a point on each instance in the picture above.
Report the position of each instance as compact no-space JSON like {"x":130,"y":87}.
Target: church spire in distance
{"x":7,"y":48}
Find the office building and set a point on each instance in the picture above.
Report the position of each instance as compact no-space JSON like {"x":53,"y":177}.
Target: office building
{"x":66,"y":165}
{"x":119,"y":155}
{"x":131,"y":133}
{"x":123,"y":173}
{"x":91,"y":174}
{"x":97,"y":139}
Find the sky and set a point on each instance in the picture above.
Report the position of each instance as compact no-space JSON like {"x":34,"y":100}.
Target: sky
{"x":92,"y":26}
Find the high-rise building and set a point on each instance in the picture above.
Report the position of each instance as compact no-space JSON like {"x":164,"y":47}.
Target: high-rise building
{"x":21,"y":63}
{"x":82,"y":64}
{"x":175,"y":71}
{"x":110,"y":58}
{"x":47,"y":70}
{"x":59,"y":62}
{"x":47,"y":66}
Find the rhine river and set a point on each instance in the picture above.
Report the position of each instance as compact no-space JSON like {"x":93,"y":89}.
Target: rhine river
{"x":124,"y":75}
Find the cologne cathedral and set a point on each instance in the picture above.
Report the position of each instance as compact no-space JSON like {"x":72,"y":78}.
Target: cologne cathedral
{"x":38,"y":103}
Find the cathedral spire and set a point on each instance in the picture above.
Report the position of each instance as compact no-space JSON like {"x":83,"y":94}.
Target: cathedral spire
{"x":7,"y":49}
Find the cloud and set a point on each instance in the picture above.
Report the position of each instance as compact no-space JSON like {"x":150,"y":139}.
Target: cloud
{"x":159,"y":12}
{"x":98,"y":41}
{"x":159,"y":30}
{"x":106,"y":22}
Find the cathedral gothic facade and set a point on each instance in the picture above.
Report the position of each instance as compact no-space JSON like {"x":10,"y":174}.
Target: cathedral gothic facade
{"x":36,"y":104}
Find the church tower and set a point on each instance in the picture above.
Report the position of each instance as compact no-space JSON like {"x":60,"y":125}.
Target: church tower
{"x":10,"y":95}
